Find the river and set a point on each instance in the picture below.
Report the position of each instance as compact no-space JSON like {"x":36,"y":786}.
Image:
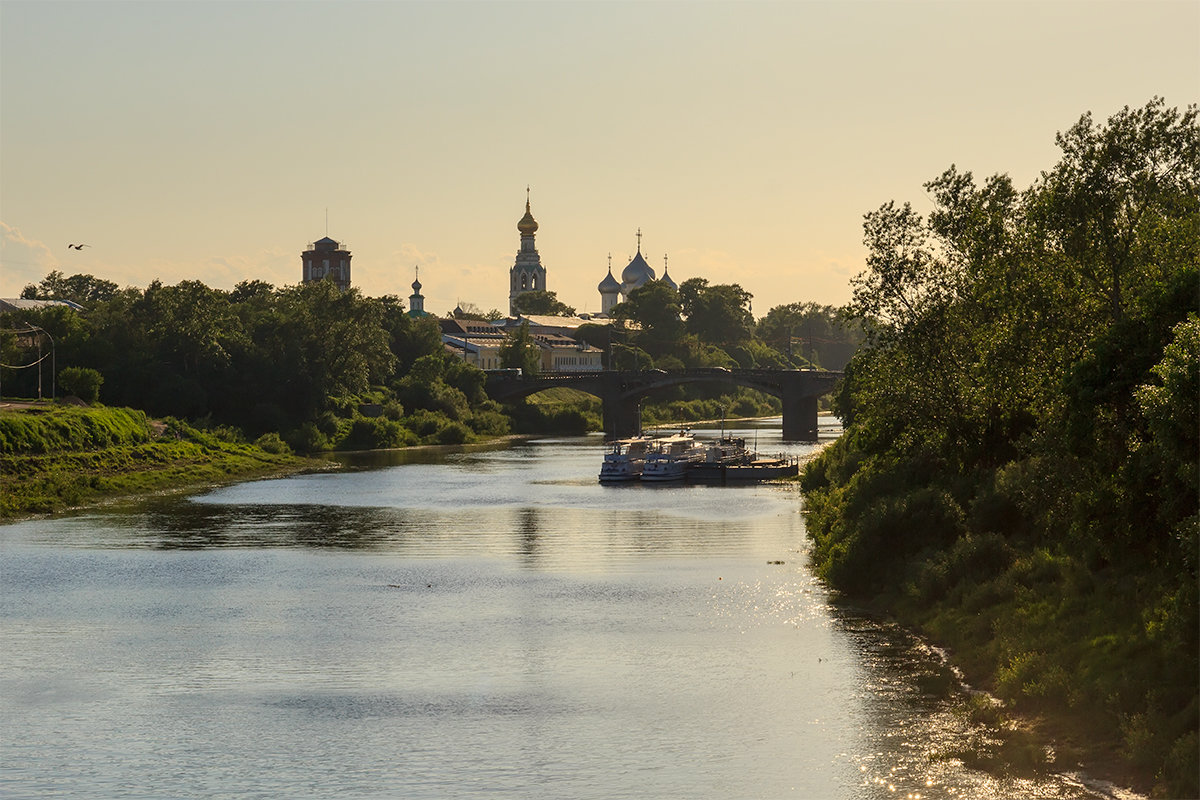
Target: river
{"x":488,"y":622}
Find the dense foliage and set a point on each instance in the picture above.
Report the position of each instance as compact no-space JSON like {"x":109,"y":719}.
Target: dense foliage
{"x":703,"y":325}
{"x":1019,"y":470}
{"x":321,"y":367}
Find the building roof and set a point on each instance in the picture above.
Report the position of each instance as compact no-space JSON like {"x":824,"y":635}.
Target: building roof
{"x":546,"y":323}
{"x":23,"y":304}
{"x":475,"y":329}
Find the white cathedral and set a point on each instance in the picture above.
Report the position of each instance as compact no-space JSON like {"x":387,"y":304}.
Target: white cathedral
{"x":636,"y":275}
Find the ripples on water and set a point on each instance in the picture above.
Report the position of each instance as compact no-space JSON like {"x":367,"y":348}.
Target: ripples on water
{"x":483,"y":623}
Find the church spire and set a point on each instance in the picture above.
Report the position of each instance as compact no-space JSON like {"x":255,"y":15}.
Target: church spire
{"x":416,"y":300}
{"x":527,"y":273}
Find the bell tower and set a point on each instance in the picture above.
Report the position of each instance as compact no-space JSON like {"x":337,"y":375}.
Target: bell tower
{"x":527,"y":273}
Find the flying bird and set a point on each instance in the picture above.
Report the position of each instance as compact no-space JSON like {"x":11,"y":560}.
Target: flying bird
{"x":79,"y":246}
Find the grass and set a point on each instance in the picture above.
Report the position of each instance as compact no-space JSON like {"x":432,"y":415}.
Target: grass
{"x":55,"y":459}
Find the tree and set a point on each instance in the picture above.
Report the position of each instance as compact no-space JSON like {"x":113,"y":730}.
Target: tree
{"x":1118,"y":187}
{"x":719,"y":315}
{"x":521,"y":352}
{"x":654,"y":310}
{"x":408,"y":337}
{"x":542,"y":302}
{"x":80,"y":288}
{"x":808,"y":333}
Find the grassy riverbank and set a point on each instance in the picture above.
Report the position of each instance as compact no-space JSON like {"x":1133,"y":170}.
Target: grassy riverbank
{"x":53,"y":458}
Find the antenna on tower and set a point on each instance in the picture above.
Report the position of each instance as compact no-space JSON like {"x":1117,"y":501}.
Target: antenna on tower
{"x":639,"y":235}
{"x":327,"y":222}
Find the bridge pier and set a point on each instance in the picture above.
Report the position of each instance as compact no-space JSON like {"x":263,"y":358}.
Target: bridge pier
{"x":622,"y":416}
{"x":799,"y":418}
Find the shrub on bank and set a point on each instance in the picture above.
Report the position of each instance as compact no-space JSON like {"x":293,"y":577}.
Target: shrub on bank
{"x":81,"y":382}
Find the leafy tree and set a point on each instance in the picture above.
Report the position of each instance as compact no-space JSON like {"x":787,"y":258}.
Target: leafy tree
{"x":1119,"y":189}
{"x":719,"y":315}
{"x":79,"y":288}
{"x":520,"y":352}
{"x":808,"y":333}
{"x":256,"y":292}
{"x":409,"y":338}
{"x":542,"y":302}
{"x":655,"y":312}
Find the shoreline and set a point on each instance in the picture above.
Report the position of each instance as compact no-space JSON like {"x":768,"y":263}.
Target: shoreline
{"x":1099,"y":766}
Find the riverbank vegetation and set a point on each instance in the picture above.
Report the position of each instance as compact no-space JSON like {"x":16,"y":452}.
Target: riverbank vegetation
{"x":1018,"y":476}
{"x":57,"y":457}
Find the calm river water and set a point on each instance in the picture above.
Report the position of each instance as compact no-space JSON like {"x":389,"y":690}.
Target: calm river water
{"x":457,"y":625}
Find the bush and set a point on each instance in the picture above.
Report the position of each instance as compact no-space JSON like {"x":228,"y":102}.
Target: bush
{"x":370,"y":433}
{"x":308,"y":438}
{"x":272,"y":444}
{"x":82,"y":382}
{"x":454,"y":433}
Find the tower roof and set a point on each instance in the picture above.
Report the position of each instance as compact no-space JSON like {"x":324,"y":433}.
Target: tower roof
{"x":667,"y":278}
{"x":609,"y":285}
{"x":528,"y":225}
{"x":638,"y":272}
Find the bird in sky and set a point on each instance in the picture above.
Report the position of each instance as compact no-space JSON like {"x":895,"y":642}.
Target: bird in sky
{"x":79,"y":246}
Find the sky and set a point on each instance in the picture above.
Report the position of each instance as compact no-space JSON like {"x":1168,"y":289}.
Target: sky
{"x":216,"y":140}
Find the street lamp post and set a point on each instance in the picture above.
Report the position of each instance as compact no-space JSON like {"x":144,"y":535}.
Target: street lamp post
{"x":53,"y":361}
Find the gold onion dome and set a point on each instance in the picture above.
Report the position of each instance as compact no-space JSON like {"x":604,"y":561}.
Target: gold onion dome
{"x":528,"y":225}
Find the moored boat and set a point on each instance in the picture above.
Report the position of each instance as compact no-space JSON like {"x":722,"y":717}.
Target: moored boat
{"x":670,"y":458}
{"x":624,"y":460}
{"x":755,"y":469}
{"x":727,"y":459}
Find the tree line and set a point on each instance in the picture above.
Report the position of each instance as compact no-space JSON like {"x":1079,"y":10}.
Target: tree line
{"x":1018,"y":475}
{"x":329,"y":368}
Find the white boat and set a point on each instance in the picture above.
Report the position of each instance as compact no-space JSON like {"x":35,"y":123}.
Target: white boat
{"x":624,"y":460}
{"x":671,"y":457}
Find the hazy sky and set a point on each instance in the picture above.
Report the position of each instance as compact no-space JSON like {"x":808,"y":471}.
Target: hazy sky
{"x":206,"y":140}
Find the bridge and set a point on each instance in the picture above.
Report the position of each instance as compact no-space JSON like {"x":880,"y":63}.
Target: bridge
{"x":621,"y":393}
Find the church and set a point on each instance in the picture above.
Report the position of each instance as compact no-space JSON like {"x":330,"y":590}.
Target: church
{"x":636,"y":275}
{"x":528,"y":274}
